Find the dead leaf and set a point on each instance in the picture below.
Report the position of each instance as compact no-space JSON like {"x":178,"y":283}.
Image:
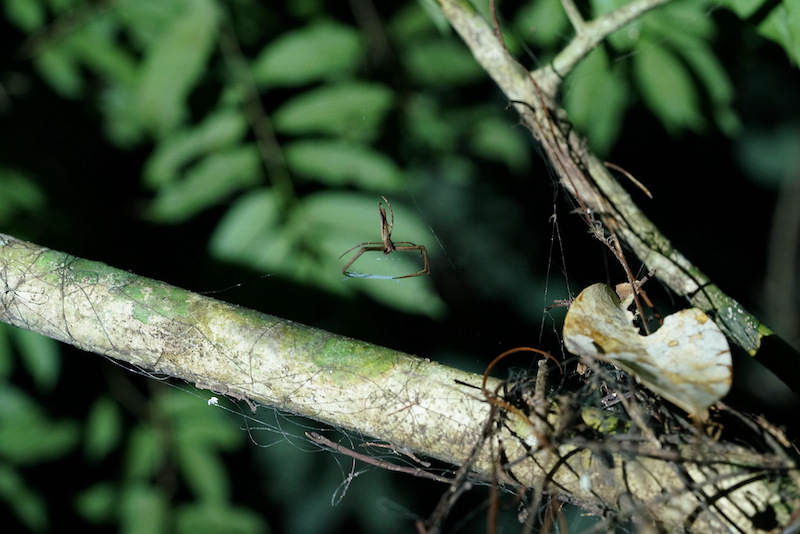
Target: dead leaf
{"x":687,"y":361}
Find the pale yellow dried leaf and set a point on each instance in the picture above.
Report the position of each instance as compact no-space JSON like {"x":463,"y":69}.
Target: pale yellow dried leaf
{"x":687,"y":361}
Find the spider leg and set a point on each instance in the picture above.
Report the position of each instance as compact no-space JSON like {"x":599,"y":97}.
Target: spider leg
{"x":407,"y":246}
{"x":364,"y":248}
{"x":359,"y":245}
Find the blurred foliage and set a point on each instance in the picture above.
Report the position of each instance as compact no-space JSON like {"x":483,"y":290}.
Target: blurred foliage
{"x":284,"y":124}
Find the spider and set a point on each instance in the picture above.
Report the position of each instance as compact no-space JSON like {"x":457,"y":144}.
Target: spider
{"x":387,"y":246}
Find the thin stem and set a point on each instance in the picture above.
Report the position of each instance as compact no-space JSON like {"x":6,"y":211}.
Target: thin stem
{"x":574,"y":15}
{"x":590,"y":34}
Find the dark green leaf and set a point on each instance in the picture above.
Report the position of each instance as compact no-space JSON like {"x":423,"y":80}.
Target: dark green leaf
{"x":6,"y":352}
{"x":27,"y":436}
{"x":318,"y":230}
{"x":174,"y":64}
{"x":250,"y":232}
{"x":143,"y":509}
{"x":743,"y":8}
{"x":217,"y":518}
{"x":222,"y":128}
{"x":352,"y":109}
{"x":25,"y":503}
{"x":782,"y":25}
{"x":144,"y":453}
{"x":596,"y":100}
{"x":667,"y":88}
{"x":498,"y":140}
{"x":40,"y":356}
{"x":103,"y":429}
{"x":308,"y":54}
{"x":61,"y":70}
{"x":543,"y":22}
{"x":19,"y":194}
{"x":203,"y":471}
{"x":770,"y":156}
{"x":97,"y":503}
{"x":212,"y":180}
{"x":195,"y":423}
{"x":441,"y":62}
{"x":333,"y":222}
{"x":708,"y":69}
{"x":27,"y":15}
{"x":340,"y":162}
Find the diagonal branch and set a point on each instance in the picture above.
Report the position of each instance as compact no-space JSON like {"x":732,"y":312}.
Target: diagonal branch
{"x":605,"y":204}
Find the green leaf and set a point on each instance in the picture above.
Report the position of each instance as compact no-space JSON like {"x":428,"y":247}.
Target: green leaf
{"x":341,"y":162}
{"x":428,"y":127}
{"x":27,"y":436}
{"x":496,"y":139}
{"x":708,"y":69}
{"x":308,"y":54}
{"x":174,"y":64}
{"x":686,"y":18}
{"x":203,"y":472}
{"x":120,"y":116}
{"x":743,"y":8}
{"x":97,"y":503}
{"x":782,"y":25}
{"x":144,"y":509}
{"x":222,"y":128}
{"x":27,"y":15}
{"x":41,"y":357}
{"x":543,"y":22}
{"x":351,"y":109}
{"x":770,"y":156}
{"x":217,"y":518}
{"x":415,"y":19}
{"x":58,"y":66}
{"x":596,"y":100}
{"x":25,"y":503}
{"x":667,"y":88}
{"x":103,"y":429}
{"x":212,"y":180}
{"x":147,"y":21}
{"x":250,"y":232}
{"x":96,"y":45}
{"x":19,"y":194}
{"x":144,"y":453}
{"x":440,"y":62}
{"x":6,"y":352}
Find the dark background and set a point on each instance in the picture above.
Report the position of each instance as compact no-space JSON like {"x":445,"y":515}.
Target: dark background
{"x":704,"y":201}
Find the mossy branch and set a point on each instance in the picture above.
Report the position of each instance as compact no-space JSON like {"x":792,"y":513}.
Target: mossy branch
{"x":153,"y":326}
{"x":408,"y":401}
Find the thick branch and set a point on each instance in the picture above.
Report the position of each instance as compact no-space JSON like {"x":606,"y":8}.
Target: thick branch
{"x":406,"y":400}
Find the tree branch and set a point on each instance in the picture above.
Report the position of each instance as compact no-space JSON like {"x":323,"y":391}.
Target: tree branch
{"x":408,"y":401}
{"x":589,"y":35}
